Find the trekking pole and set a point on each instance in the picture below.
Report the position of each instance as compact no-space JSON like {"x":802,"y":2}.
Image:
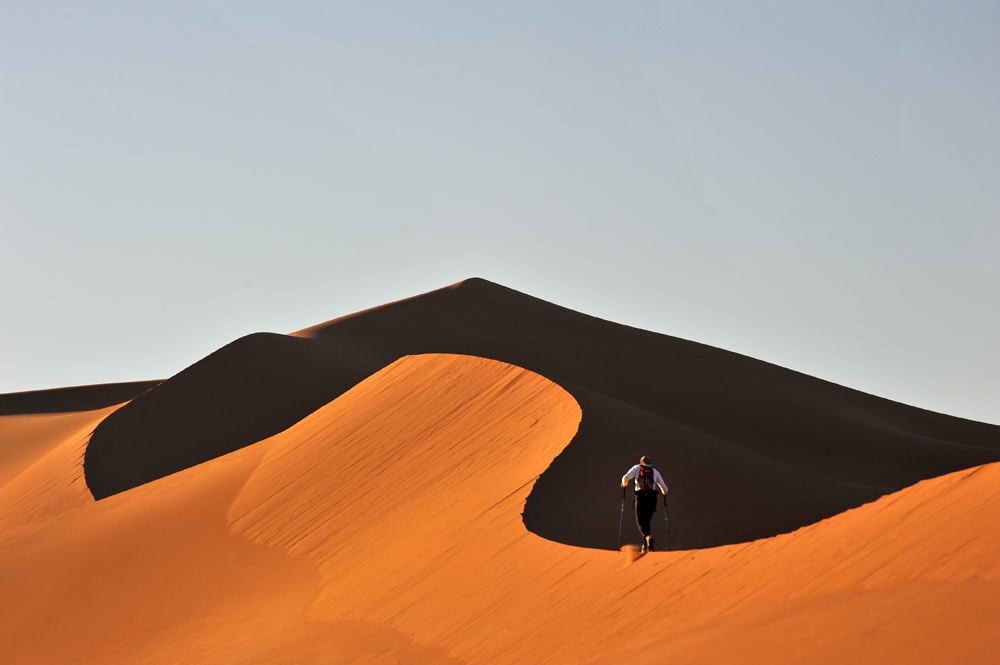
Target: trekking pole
{"x":621,"y":520}
{"x":666,"y":521}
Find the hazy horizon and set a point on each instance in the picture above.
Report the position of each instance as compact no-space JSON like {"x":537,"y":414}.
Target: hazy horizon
{"x":812,"y":185}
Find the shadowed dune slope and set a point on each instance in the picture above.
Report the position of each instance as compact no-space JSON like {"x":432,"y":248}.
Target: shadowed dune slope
{"x":750,"y":449}
{"x":249,"y":390}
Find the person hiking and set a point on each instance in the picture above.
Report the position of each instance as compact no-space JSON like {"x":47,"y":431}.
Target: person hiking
{"x":647,"y":479}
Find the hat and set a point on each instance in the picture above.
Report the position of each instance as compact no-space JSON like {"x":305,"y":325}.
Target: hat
{"x":645,"y":460}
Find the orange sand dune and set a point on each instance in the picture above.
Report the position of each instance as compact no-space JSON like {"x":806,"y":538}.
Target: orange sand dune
{"x":751,"y":450}
{"x":386,"y":527}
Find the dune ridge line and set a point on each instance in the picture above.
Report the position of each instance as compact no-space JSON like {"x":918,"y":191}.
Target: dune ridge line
{"x":752,"y":449}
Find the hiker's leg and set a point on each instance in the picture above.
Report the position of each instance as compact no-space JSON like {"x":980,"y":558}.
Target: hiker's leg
{"x":645,"y":504}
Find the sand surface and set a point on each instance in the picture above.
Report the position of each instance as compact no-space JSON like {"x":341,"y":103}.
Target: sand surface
{"x":408,"y":518}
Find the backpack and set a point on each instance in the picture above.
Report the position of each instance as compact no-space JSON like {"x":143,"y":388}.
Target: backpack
{"x":647,"y":478}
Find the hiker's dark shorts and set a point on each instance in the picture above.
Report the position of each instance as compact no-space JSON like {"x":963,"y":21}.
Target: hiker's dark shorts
{"x":645,"y":506}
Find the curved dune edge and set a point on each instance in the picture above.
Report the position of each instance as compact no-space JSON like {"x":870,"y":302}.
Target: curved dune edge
{"x":41,"y":472}
{"x":458,"y":571}
{"x":422,"y":469}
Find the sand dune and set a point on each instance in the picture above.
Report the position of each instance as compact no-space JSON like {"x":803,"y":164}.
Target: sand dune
{"x":753,"y":449}
{"x":327,"y":500}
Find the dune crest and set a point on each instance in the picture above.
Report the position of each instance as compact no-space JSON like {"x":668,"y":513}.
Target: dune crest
{"x":41,"y":465}
{"x":421,"y":470}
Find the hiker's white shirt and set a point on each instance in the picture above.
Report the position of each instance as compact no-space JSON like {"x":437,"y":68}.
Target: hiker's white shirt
{"x":633,"y":473}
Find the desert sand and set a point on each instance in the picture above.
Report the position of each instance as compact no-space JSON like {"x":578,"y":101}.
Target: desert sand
{"x":436,"y":481}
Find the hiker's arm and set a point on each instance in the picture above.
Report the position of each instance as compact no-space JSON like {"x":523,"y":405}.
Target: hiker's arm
{"x":632,"y":473}
{"x":659,"y":481}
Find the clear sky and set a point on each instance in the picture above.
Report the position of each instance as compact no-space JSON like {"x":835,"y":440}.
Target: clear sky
{"x":816,"y":185}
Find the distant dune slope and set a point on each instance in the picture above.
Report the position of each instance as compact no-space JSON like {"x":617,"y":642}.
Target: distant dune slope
{"x":250,"y":389}
{"x":749,"y":449}
{"x":77,"y":398}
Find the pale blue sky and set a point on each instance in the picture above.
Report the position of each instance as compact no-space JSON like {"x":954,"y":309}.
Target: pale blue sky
{"x":816,"y":185}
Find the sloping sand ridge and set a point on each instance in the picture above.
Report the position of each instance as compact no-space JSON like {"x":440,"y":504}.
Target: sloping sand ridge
{"x":384,"y":525}
{"x":752,"y":449}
